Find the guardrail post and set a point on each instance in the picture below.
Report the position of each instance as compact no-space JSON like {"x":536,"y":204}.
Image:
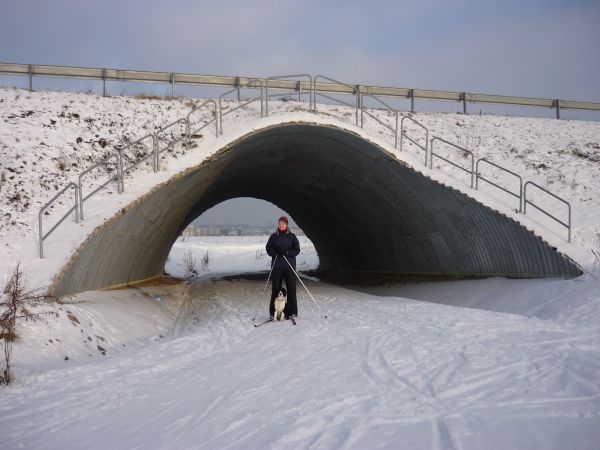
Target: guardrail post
{"x":411,"y":94}
{"x":557,"y":106}
{"x":463,"y":97}
{"x":30,"y":77}
{"x":236,"y":84}
{"x":172,"y":85}
{"x":103,"y":82}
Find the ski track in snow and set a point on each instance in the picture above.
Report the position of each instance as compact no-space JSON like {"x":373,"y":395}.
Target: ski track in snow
{"x":378,"y":373}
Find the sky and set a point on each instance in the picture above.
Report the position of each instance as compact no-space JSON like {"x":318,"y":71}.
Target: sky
{"x":532,"y":48}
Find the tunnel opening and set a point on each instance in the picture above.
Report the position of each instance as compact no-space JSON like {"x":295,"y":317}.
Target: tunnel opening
{"x":228,"y":240}
{"x":365,"y":211}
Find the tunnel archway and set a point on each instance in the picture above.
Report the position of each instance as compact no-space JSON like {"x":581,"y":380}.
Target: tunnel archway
{"x":364,"y":210}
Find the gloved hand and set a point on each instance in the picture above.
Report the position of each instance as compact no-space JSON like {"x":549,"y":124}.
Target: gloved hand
{"x":280,"y":251}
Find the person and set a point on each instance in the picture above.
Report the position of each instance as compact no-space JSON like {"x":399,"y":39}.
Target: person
{"x":283,"y":245}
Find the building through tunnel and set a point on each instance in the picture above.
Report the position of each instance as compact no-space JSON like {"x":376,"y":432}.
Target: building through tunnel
{"x":364,"y":210}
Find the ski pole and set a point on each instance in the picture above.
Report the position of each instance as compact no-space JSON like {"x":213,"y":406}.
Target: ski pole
{"x":264,"y":289}
{"x":297,"y":276}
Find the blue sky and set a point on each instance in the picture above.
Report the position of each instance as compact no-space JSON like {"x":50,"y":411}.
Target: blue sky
{"x":534,"y":48}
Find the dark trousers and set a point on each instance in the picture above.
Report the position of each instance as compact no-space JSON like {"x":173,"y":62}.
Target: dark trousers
{"x":277,"y":277}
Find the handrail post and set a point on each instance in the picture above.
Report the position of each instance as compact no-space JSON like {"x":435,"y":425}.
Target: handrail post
{"x":463,"y":97}
{"x":411,"y":93}
{"x":362,"y":110}
{"x":120,"y":171}
{"x":30,"y":77}
{"x":77,"y":217}
{"x":155,"y":150}
{"x":357,"y":99}
{"x":80,"y":188}
{"x":396,"y":134}
{"x":103,"y":82}
{"x":41,"y":233}
{"x":172,"y":85}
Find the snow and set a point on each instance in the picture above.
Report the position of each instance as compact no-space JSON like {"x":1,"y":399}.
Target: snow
{"x":48,"y":138}
{"x":492,"y":364}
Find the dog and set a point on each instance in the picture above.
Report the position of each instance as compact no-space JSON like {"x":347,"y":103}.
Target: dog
{"x":280,"y":302}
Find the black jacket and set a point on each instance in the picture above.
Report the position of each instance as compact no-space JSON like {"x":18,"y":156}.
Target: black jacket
{"x":288,"y":243}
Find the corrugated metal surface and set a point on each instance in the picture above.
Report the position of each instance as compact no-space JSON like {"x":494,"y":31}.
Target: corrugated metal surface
{"x":363,"y":210}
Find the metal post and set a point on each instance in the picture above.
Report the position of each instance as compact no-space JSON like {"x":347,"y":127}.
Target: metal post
{"x":121,"y":185}
{"x":172,"y":85}
{"x":236,"y":83}
{"x":357,"y":95}
{"x":155,"y":150}
{"x":30,"y":77}
{"x":103,"y":82}
{"x":396,"y":134}
{"x":41,"y":234}
{"x":77,"y":219}
{"x":299,"y":87}
{"x":557,"y":106}
{"x":362,"y":111}
{"x":411,"y":93}
{"x":464,"y":100}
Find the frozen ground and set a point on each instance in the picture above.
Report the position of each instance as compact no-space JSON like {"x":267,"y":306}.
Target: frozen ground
{"x":183,"y":367}
{"x":494,"y":364}
{"x":48,"y":138}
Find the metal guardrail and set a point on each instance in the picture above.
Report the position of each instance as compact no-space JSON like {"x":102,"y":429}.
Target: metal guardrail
{"x":341,"y":88}
{"x":105,"y":74}
{"x":478,"y":177}
{"x":539,"y":208}
{"x":403,"y":134}
{"x":43,"y":236}
{"x":297,"y":87}
{"x":471,"y":172}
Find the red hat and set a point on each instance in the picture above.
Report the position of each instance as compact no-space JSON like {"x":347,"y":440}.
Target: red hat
{"x":284,"y":219}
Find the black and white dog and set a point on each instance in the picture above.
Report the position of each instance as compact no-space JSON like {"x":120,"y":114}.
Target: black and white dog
{"x":280,"y":302}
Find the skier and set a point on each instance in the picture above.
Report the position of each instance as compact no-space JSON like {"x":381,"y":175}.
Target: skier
{"x":283,"y":245}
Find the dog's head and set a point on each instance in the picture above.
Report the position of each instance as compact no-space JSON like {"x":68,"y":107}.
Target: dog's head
{"x":282,"y":293}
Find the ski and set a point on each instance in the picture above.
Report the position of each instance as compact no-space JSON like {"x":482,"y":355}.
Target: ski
{"x":256,"y":325}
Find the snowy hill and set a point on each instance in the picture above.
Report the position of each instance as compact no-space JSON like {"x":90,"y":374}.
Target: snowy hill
{"x":48,"y":138}
{"x":494,"y":364}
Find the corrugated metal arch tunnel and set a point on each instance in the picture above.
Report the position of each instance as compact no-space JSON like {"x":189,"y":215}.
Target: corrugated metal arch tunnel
{"x":364,"y":210}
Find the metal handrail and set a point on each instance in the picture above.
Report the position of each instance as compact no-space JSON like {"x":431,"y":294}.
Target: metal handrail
{"x":115,"y":177}
{"x":241,"y":105}
{"x":197,"y":108}
{"x":377,"y":119}
{"x":218,"y":119}
{"x":355,"y":91}
{"x":43,"y":236}
{"x":472,"y":171}
{"x":478,"y":177}
{"x":525,"y":202}
{"x":402,"y":134}
{"x":125,"y":170}
{"x":298,"y":88}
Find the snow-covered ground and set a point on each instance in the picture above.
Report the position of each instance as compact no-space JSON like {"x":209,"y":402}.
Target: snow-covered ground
{"x":48,"y":138}
{"x":494,"y":364}
{"x":182,"y":367}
